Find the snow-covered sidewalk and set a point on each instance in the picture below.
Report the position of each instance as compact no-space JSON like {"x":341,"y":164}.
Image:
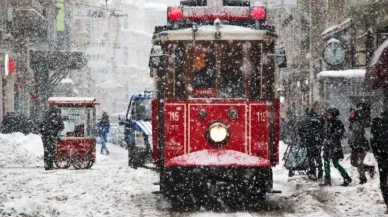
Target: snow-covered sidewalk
{"x":111,"y":188}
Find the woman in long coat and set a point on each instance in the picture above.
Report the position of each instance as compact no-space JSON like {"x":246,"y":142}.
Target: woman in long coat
{"x":332,"y":149}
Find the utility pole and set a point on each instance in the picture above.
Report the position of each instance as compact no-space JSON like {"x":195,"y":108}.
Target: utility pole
{"x":317,"y":26}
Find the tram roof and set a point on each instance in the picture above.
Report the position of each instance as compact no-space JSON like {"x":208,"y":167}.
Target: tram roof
{"x":207,"y":32}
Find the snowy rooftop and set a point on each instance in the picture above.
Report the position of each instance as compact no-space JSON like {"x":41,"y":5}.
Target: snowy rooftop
{"x":378,"y":52}
{"x":64,"y":100}
{"x":67,"y":81}
{"x":351,"y":73}
{"x":337,"y":28}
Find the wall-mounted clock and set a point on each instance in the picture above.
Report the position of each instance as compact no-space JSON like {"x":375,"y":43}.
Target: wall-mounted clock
{"x":334,"y":53}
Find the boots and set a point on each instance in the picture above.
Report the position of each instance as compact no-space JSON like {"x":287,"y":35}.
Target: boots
{"x":362,"y":180}
{"x":371,"y":171}
{"x":327,"y":182}
{"x":320,"y":174}
{"x":347,"y":180}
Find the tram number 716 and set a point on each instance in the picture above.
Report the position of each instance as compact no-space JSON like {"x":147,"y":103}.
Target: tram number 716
{"x":262,"y":116}
{"x":174,"y":116}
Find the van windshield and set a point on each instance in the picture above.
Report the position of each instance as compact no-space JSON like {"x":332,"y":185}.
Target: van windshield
{"x":141,"y":110}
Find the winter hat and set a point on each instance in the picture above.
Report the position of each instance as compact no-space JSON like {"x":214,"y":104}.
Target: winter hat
{"x":333,"y":111}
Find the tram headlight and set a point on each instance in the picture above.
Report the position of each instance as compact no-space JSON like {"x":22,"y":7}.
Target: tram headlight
{"x":218,"y":133}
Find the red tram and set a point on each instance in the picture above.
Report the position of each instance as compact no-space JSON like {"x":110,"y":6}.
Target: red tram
{"x":215,"y":111}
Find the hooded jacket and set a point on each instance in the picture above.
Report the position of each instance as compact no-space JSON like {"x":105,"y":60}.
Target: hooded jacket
{"x":335,"y":131}
{"x":311,"y":129}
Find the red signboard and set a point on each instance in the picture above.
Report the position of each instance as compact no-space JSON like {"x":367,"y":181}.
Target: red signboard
{"x":216,"y":9}
{"x":205,"y":92}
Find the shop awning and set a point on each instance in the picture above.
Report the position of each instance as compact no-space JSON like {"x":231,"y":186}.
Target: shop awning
{"x":59,"y":59}
{"x":377,"y":70}
{"x":350,"y":73}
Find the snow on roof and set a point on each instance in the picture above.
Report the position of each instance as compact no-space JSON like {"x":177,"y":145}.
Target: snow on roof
{"x":223,"y":27}
{"x":67,"y":81}
{"x":218,"y":158}
{"x":207,"y":32}
{"x":154,"y":5}
{"x":378,"y":52}
{"x":333,"y":40}
{"x":337,"y":28}
{"x":351,"y":73}
{"x":71,"y":100}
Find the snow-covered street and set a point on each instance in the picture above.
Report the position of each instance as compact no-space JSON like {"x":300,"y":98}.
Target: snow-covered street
{"x":111,"y":188}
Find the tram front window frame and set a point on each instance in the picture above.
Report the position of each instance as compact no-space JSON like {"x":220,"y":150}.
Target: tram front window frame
{"x":187,"y":58}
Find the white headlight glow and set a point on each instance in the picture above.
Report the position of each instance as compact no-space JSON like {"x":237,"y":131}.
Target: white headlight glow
{"x":218,"y":133}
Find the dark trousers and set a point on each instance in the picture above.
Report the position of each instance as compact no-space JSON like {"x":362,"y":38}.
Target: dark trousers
{"x":357,"y":158}
{"x":49,"y":146}
{"x":314,"y":158}
{"x":383,"y":169}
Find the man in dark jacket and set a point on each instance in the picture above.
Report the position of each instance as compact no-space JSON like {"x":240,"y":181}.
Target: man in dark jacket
{"x":206,"y":76}
{"x":50,"y":129}
{"x":359,"y":145}
{"x":332,"y":149}
{"x":379,"y":143}
{"x":311,"y":131}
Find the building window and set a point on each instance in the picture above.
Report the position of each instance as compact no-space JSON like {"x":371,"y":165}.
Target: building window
{"x":125,"y":23}
{"x":125,"y":56}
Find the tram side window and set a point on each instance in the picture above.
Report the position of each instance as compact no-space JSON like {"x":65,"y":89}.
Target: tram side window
{"x":255,"y":80}
{"x":193,"y":2}
{"x":141,"y":109}
{"x":205,"y":76}
{"x":231,"y":84}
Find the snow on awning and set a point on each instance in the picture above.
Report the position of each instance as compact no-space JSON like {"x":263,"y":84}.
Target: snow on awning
{"x":377,"y":71}
{"x":67,"y":81}
{"x":377,"y":55}
{"x":337,"y":28}
{"x":72,"y":100}
{"x":351,"y":73}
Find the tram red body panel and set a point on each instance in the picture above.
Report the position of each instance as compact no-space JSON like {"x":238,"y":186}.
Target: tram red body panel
{"x":250,"y":132}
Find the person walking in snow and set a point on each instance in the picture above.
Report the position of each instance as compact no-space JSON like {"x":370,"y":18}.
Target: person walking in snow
{"x":103,"y":130}
{"x":379,"y":143}
{"x":332,"y":149}
{"x":359,"y":144}
{"x":50,"y":129}
{"x":311,"y":131}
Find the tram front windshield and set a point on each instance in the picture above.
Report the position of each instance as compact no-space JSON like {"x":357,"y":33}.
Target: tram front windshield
{"x":218,"y":69}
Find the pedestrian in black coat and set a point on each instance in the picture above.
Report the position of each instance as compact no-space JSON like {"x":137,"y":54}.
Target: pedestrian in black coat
{"x":379,"y":143}
{"x":332,"y":149}
{"x":359,"y":145}
{"x":50,"y":129}
{"x":311,"y":131}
